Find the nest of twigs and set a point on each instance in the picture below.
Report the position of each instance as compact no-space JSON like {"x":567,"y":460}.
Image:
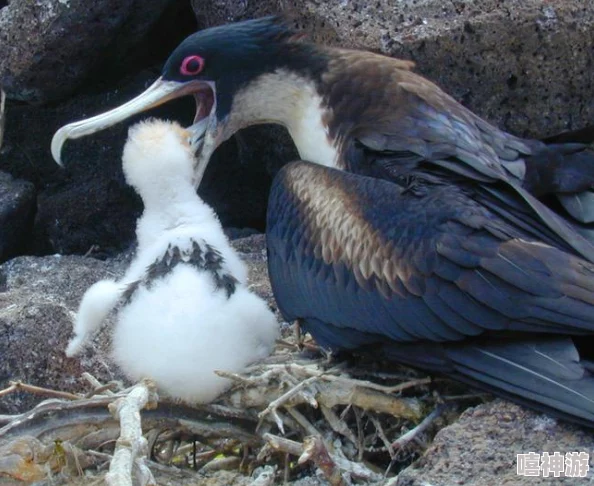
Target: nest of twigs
{"x":298,"y":414}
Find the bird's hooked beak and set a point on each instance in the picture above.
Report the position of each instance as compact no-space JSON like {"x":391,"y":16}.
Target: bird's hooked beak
{"x":202,"y":132}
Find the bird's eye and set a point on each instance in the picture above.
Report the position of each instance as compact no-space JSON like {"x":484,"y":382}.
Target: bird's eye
{"x":192,"y":65}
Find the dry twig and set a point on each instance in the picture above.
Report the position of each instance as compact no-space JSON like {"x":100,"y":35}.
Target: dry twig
{"x":354,"y":469}
{"x":38,"y":390}
{"x":315,"y":450}
{"x":419,"y":429}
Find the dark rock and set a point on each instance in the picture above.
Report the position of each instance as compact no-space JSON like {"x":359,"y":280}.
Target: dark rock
{"x":480,"y":448}
{"x":88,"y":202}
{"x":92,"y":214}
{"x":47,"y":49}
{"x":17,"y":207}
{"x":39,"y":297}
{"x":237,"y":181}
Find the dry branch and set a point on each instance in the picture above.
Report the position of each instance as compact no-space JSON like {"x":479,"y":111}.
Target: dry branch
{"x":321,"y":388}
{"x":37,"y":390}
{"x":85,"y":426}
{"x":131,"y":446}
{"x":297,"y":449}
{"x":315,"y":450}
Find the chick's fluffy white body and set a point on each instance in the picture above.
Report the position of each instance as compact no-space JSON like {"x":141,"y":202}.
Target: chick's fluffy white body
{"x":178,"y":322}
{"x":179,"y":332}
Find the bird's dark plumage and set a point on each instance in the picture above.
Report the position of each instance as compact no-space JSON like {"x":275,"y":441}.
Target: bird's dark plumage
{"x":445,"y":242}
{"x":400,"y":123}
{"x":455,"y":286}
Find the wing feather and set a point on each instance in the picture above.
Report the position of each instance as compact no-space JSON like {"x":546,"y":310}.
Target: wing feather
{"x":432,"y":264}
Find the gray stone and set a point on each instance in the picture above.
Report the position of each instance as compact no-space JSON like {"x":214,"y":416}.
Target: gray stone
{"x":48,"y":48}
{"x":38,"y":299}
{"x":17,"y":206}
{"x":480,"y":448}
{"x":253,"y":251}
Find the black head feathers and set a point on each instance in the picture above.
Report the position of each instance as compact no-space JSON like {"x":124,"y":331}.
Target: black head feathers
{"x":231,"y":56}
{"x":254,"y":45}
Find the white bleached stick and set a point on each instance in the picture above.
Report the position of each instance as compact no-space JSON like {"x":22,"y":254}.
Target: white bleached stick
{"x":131,"y":446}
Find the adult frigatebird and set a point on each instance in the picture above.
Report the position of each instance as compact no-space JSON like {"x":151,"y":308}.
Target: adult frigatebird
{"x":430,"y":244}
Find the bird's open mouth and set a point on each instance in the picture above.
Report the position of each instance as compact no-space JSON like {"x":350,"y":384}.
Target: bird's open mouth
{"x":204,"y":119}
{"x":158,"y":93}
{"x":204,"y":102}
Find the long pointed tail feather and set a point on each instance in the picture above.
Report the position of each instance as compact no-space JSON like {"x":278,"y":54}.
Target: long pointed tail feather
{"x":542,"y":373}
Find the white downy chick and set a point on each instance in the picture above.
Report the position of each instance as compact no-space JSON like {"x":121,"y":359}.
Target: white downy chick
{"x":186,"y":310}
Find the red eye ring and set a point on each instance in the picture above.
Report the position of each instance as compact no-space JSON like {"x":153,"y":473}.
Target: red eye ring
{"x":192,"y":65}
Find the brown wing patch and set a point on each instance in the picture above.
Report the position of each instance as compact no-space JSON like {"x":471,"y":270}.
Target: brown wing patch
{"x":339,"y":233}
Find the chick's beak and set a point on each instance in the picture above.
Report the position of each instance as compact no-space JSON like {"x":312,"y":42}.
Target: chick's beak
{"x":196,"y":133}
{"x":158,"y":93}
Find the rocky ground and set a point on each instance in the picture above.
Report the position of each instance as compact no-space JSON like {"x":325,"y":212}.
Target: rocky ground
{"x":38,"y":298}
{"x":526,"y":66}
